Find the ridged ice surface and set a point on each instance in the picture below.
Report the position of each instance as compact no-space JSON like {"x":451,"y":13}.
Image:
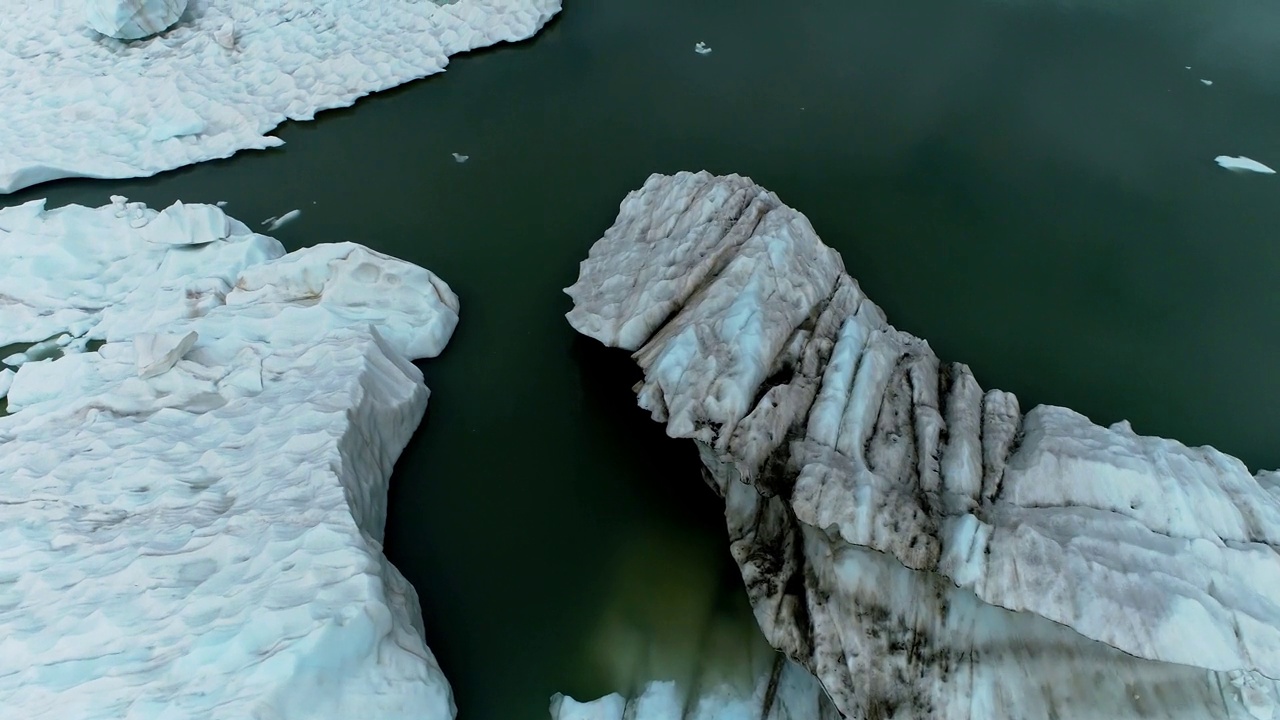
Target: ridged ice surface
{"x":78,"y":104}
{"x":191,"y":516}
{"x":889,"y":516}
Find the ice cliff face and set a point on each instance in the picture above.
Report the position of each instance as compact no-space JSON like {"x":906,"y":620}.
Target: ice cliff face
{"x":923,"y":547}
{"x":77,"y":104}
{"x":133,"y":19}
{"x":191,"y":516}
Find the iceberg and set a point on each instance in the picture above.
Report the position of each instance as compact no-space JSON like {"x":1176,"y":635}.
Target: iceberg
{"x":924,"y":547}
{"x":133,"y":19}
{"x":78,"y":104}
{"x":191,"y":515}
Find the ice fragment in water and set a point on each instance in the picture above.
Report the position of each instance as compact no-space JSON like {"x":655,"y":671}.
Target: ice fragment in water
{"x":1243,"y":163}
{"x":283,"y":219}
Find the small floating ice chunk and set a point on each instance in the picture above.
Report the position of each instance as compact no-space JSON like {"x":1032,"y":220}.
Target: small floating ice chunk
{"x":1206,"y":82}
{"x":157,"y":353}
{"x":6,"y":380}
{"x":221,"y":203}
{"x":459,"y":157}
{"x":702,"y":49}
{"x":282,"y":220}
{"x":1243,"y":163}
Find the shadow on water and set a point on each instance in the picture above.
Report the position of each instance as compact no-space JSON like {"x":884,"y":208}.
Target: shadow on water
{"x":626,"y":571}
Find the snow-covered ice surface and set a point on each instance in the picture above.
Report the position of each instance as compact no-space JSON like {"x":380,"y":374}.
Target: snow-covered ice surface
{"x":133,"y":19}
{"x":923,"y":547}
{"x":1243,"y":163}
{"x":191,"y":516}
{"x":78,"y":104}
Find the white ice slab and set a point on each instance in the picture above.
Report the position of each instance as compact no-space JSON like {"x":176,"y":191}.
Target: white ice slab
{"x":80,"y":104}
{"x":157,"y":353}
{"x":206,"y":542}
{"x":106,"y":273}
{"x":1243,"y":163}
{"x":133,"y":19}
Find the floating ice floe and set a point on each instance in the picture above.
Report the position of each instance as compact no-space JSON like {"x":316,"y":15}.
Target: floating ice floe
{"x":924,"y":547}
{"x":702,"y":49}
{"x":191,"y":516}
{"x":77,"y":104}
{"x":460,"y":158}
{"x":1206,"y":82}
{"x":1243,"y":163}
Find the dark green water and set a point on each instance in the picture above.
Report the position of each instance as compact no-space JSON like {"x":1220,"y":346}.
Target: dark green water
{"x":1028,"y":185}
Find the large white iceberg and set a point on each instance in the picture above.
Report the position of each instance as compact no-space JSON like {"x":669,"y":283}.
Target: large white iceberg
{"x":923,"y":547}
{"x":77,"y":104}
{"x":191,"y":516}
{"x":133,"y":19}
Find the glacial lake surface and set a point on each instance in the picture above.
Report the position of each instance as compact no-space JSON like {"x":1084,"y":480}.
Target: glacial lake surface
{"x":1028,"y":184}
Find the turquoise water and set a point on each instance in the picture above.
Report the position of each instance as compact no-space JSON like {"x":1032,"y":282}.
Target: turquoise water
{"x":1029,"y":185}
